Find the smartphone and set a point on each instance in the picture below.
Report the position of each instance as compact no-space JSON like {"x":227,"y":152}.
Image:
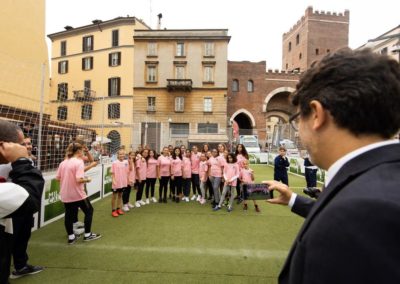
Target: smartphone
{"x":258,"y":191}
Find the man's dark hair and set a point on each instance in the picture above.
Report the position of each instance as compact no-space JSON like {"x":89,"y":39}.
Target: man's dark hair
{"x":360,"y":89}
{"x":9,"y":131}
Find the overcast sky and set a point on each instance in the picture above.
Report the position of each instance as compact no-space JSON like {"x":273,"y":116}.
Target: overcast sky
{"x":256,"y":26}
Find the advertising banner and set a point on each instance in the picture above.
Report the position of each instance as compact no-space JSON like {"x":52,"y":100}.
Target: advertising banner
{"x":107,"y":180}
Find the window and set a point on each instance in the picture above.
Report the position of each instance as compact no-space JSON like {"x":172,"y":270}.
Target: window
{"x":207,"y":104}
{"x":63,"y":46}
{"x":208,"y":74}
{"x":328,"y":50}
{"x":290,"y":46}
{"x":87,"y":87}
{"x":297,"y":39}
{"x":179,"y":104}
{"x":63,"y":67}
{"x":180,"y":49}
{"x":151,"y":73}
{"x":113,"y":111}
{"x":316,"y":51}
{"x":250,"y":86}
{"x":86,"y":112}
{"x":235,"y":85}
{"x":300,"y":55}
{"x":204,"y":128}
{"x":180,"y":72}
{"x":179,"y":129}
{"x":114,"y":59}
{"x":87,"y":63}
{"x":115,"y":38}
{"x":114,"y":87}
{"x":62,"y":92}
{"x":151,"y":103}
{"x":152,"y":49}
{"x":87,"y":43}
{"x":209,"y":49}
{"x":62,"y":113}
{"x":287,"y":66}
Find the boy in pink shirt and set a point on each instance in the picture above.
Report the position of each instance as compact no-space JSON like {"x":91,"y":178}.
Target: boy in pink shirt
{"x":164,"y":174}
{"x":203,"y":176}
{"x":120,"y":173}
{"x":187,"y":175}
{"x":195,"y":160}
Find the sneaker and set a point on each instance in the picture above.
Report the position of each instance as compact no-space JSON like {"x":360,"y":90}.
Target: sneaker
{"x":71,"y":242}
{"x":27,"y":270}
{"x":244,"y":206}
{"x":79,"y":225}
{"x":187,"y":199}
{"x":229,"y":209}
{"x":147,"y":201}
{"x":130,"y":206}
{"x":154,"y":199}
{"x":257,"y":208}
{"x":216,"y":208}
{"x":120,"y":212}
{"x":137,"y":204}
{"x":115,"y":213}
{"x":142,"y":202}
{"x":125,"y":208}
{"x":92,"y":237}
{"x":198,"y":198}
{"x":240,"y":200}
{"x":193,"y":197}
{"x":79,"y":231}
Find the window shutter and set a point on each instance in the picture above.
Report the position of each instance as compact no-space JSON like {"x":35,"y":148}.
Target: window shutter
{"x":66,"y":67}
{"x":109,"y":87}
{"x":59,"y":67}
{"x":119,"y":58}
{"x":109,"y":59}
{"x":91,"y":62}
{"x":119,"y":86}
{"x":83,"y":63}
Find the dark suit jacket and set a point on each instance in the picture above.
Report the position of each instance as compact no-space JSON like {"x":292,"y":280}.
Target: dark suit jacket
{"x":352,"y":232}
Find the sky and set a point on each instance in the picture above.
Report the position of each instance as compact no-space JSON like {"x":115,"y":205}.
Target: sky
{"x":256,"y":26}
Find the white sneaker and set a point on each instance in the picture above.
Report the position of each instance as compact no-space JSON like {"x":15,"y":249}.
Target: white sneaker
{"x":154,"y":199}
{"x":137,"y":204}
{"x":198,"y":198}
{"x":142,"y":202}
{"x":130,"y":205}
{"x":79,"y":231}
{"x":193,"y":197}
{"x":125,"y":208}
{"x":147,"y":201}
{"x":187,"y":199}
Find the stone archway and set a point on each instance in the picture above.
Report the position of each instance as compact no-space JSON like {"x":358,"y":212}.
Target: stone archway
{"x":285,"y":90}
{"x":245,"y":121}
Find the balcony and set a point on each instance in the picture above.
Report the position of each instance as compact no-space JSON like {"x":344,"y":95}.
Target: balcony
{"x":86,"y":95}
{"x":179,"y":85}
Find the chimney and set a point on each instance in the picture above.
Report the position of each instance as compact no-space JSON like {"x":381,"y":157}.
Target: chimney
{"x":159,"y":21}
{"x":68,"y":28}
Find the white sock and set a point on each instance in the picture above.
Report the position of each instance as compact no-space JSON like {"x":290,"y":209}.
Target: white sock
{"x":88,"y":234}
{"x":71,"y":237}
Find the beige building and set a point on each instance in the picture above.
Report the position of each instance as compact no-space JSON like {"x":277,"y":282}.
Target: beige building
{"x":92,"y":77}
{"x":180,"y":93}
{"x":387,"y":43}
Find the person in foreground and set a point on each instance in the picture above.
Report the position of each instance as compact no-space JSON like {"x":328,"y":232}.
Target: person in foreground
{"x":348,"y":112}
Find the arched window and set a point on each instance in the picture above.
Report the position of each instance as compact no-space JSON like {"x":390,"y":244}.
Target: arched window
{"x":235,"y":85}
{"x":297,"y":39}
{"x":250,"y":86}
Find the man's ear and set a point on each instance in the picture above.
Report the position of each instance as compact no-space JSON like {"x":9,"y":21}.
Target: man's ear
{"x":318,"y":115}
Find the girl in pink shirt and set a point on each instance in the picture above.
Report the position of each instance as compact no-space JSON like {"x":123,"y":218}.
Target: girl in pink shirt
{"x":151,"y":175}
{"x":176,"y":174}
{"x":141,"y":172}
{"x":120,"y":172}
{"x":131,"y":181}
{"x":231,"y":174}
{"x":247,"y":177}
{"x":195,"y":160}
{"x":241,"y":156}
{"x":203,"y":176}
{"x":215,"y":174}
{"x":164,"y":174}
{"x":70,"y":173}
{"x":187,"y":175}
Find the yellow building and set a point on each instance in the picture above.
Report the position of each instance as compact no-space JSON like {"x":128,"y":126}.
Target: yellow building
{"x":92,"y":77}
{"x":180,"y":87}
{"x":23,"y":61}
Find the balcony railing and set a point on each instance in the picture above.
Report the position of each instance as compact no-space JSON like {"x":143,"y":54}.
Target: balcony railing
{"x":179,"y":85}
{"x":84,"y":95}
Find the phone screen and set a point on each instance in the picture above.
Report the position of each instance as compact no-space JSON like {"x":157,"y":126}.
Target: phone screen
{"x":258,"y":191}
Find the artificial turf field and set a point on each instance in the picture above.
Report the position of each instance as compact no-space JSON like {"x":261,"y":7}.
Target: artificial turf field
{"x":171,"y":243}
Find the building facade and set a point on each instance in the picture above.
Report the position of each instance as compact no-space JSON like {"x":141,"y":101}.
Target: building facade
{"x":316,"y":34}
{"x":180,"y":93}
{"x":92,"y":77}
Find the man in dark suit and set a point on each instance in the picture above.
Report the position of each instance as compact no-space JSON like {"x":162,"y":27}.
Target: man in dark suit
{"x":348,"y":113}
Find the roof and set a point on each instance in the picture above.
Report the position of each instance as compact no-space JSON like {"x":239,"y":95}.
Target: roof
{"x":182,"y":34}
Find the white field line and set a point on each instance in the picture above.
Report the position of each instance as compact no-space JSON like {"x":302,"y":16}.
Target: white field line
{"x":240,"y":253}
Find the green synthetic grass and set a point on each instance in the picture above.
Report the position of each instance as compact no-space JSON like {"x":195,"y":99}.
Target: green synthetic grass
{"x":171,"y":243}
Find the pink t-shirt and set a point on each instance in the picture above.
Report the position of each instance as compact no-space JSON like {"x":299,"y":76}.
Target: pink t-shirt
{"x":195,"y":159}
{"x":120,"y":171}
{"x":203,"y":169}
{"x":231,"y":173}
{"x":141,"y":167}
{"x":132,"y":174}
{"x":245,"y":175}
{"x":176,"y":167}
{"x":165,"y":166}
{"x":187,"y":168}
{"x":151,"y":168}
{"x":68,"y":172}
{"x":240,"y":160}
{"x":215,"y":167}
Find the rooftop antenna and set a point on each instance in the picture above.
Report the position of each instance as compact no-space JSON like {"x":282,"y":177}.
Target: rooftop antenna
{"x":159,"y":21}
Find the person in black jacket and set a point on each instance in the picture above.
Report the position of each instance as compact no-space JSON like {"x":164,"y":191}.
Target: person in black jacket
{"x":19,"y":198}
{"x":348,"y":113}
{"x":281,"y":163}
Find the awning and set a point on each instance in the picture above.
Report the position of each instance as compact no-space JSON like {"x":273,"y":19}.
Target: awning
{"x":208,"y":138}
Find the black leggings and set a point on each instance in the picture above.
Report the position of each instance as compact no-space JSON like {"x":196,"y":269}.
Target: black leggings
{"x":186,"y":186}
{"x":150,"y":183}
{"x":196,"y":184}
{"x":210,"y":188}
{"x":177,"y":185}
{"x":139,"y":193}
{"x":71,"y":209}
{"x":162,"y":191}
{"x":126,"y":193}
